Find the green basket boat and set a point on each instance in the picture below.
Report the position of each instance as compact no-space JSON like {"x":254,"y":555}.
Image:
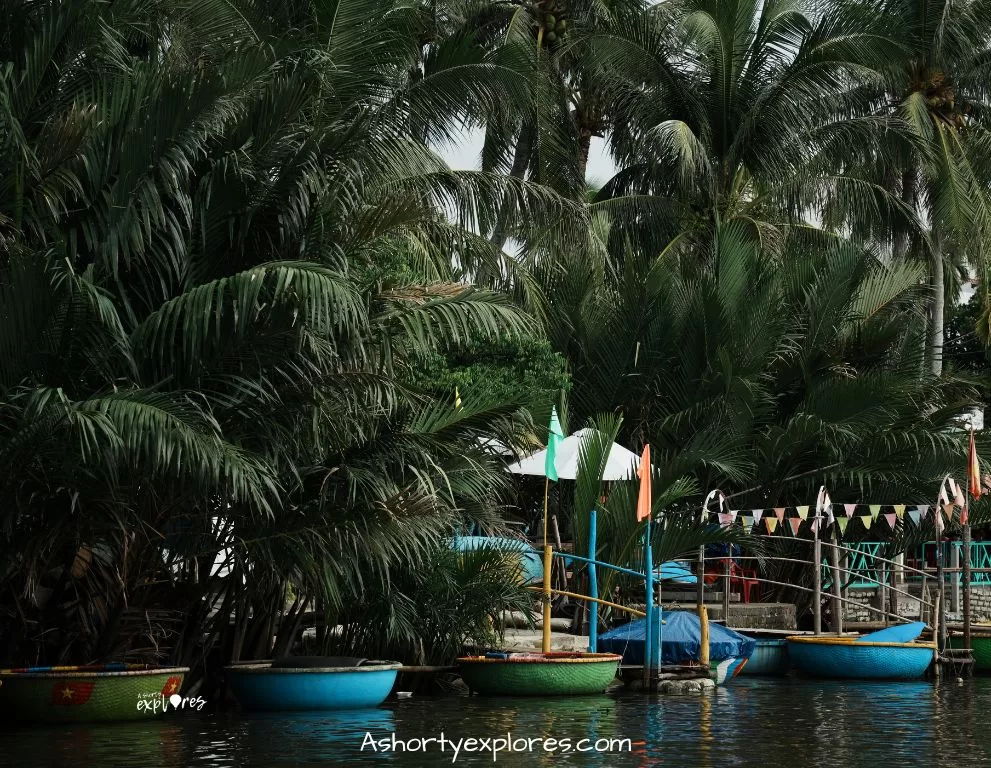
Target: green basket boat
{"x":980,"y":649}
{"x":104,"y":693}
{"x":539,"y":674}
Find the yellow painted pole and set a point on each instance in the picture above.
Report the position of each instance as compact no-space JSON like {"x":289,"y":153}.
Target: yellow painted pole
{"x":546,"y":640}
{"x":704,"y":636}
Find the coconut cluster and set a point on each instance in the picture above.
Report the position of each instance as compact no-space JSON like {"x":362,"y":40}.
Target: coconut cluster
{"x":554,"y":24}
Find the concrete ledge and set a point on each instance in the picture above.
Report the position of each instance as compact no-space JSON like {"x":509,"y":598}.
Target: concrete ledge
{"x":530,"y":640}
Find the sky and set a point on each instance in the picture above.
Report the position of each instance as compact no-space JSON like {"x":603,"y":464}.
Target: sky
{"x":465,"y":155}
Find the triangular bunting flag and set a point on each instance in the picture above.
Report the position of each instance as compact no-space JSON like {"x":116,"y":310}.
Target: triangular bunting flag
{"x":915,"y":515}
{"x":814,"y":525}
{"x":795,"y":523}
{"x":779,"y":512}
{"x":899,"y":511}
{"x":747,"y":520}
{"x":948,"y":511}
{"x":732,"y":516}
{"x":849,"y":509}
{"x":890,"y":517}
{"x":758,"y":514}
{"x":842,"y":522}
{"x":725,"y":518}
{"x":875,"y":508}
{"x":866,"y":520}
{"x":803,"y":512}
{"x":771,"y":523}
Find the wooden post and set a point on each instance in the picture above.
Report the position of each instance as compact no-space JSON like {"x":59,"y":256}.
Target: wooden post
{"x":892,"y":592}
{"x":726,"y":577}
{"x":882,"y":593}
{"x":562,"y":569}
{"x":966,"y":586}
{"x":938,"y":611}
{"x":700,"y":586}
{"x":816,"y":578}
{"x":548,"y":563}
{"x":834,"y":566}
{"x":955,"y":578}
{"x":940,"y":589}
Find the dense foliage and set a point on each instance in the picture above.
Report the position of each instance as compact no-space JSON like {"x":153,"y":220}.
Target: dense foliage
{"x":239,"y":288}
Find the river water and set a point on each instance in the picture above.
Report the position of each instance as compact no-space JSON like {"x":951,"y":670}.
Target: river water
{"x":761,"y":722}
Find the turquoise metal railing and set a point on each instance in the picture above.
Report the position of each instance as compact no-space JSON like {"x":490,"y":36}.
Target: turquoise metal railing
{"x":866,"y":569}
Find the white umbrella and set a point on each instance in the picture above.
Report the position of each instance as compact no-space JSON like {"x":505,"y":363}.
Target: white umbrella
{"x":621,"y":464}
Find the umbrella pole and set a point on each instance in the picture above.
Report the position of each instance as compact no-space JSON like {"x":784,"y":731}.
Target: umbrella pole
{"x":548,"y":561}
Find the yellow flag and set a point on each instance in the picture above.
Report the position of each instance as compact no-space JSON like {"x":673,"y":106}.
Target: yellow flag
{"x":457,"y":398}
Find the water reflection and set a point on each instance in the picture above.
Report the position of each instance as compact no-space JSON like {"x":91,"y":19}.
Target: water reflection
{"x":752,"y":722}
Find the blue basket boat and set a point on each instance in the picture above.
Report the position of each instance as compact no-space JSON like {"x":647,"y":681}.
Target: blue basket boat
{"x":770,"y":658}
{"x":531,"y":561}
{"x":681,"y":644}
{"x":890,"y":654}
{"x":299,"y":684}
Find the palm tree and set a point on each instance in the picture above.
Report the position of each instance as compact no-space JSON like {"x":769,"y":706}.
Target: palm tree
{"x":734,"y":111}
{"x":207,"y":373}
{"x":938,"y":158}
{"x":760,"y":375}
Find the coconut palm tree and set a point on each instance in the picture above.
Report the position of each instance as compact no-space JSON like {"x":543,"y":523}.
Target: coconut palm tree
{"x":737,"y":111}
{"x":937,"y":93}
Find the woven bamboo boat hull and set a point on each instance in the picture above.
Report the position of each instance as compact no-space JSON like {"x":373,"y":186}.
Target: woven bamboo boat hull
{"x":980,"y":647}
{"x":112,"y":692}
{"x":839,"y":657}
{"x":550,"y":674}
{"x":769,"y":659}
{"x":260,"y":688}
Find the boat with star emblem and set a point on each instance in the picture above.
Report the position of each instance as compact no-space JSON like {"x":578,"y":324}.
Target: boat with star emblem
{"x":77,"y":694}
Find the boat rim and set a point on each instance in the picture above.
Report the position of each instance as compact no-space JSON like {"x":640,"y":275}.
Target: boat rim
{"x":267,"y":668}
{"x":565,"y":658}
{"x":67,"y":672}
{"x":847,"y":642}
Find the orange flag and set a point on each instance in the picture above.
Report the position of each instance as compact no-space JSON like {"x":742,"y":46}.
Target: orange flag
{"x":643,"y":501}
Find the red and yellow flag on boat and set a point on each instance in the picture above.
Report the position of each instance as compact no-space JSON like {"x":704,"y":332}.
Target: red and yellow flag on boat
{"x":644,"y":500}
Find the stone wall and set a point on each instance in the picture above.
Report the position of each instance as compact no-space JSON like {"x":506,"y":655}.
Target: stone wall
{"x":857,"y":610}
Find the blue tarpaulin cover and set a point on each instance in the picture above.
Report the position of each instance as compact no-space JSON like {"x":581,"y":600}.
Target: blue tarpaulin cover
{"x":900,"y":633}
{"x":680,"y":640}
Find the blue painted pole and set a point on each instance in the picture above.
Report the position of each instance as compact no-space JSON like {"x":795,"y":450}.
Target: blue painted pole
{"x":593,"y":586}
{"x":651,"y":654}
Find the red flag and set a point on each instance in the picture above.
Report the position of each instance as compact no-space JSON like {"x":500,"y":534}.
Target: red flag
{"x":71,"y":692}
{"x":644,"y":500}
{"x":171,"y":686}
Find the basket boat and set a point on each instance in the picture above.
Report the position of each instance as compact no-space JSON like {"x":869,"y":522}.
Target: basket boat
{"x":267,"y":687}
{"x":539,"y":674}
{"x":770,"y":658}
{"x":80,"y":694}
{"x":980,"y":649}
{"x":853,"y":659}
